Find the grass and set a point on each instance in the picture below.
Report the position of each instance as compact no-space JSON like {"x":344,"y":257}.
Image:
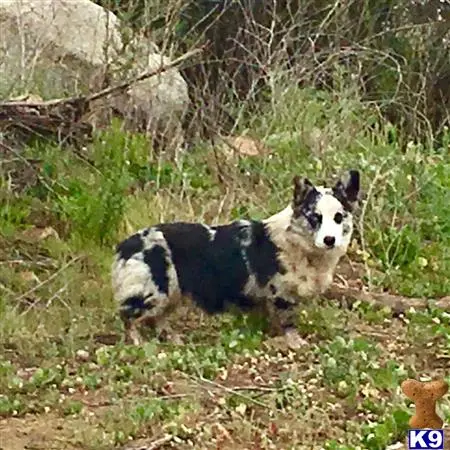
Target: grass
{"x":63,"y":385}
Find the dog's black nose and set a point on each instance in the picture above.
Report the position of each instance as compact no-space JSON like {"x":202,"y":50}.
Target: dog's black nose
{"x":329,"y":241}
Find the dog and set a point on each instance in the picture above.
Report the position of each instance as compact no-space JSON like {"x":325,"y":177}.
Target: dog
{"x":271,"y":264}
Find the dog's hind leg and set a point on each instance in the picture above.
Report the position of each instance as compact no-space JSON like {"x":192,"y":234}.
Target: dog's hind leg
{"x":137,"y":312}
{"x":282,"y":321}
{"x":134,"y":311}
{"x":132,"y":334}
{"x":160,"y":323}
{"x":146,"y":287}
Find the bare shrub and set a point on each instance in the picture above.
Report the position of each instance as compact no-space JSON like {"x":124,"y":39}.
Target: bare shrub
{"x":396,"y":53}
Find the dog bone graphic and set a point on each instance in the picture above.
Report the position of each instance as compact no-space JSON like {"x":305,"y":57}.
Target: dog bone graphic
{"x":424,"y":396}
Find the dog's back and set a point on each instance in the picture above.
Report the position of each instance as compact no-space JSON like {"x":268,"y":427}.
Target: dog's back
{"x":212,"y":265}
{"x":209,"y":261}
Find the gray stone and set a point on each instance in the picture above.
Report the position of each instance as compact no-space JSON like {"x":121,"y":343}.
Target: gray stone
{"x":62,"y":47}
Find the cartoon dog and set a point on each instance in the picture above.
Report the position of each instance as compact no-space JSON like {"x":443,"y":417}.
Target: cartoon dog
{"x":270,"y":264}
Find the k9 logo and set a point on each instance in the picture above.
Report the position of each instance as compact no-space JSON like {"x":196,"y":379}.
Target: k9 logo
{"x":426,"y":439}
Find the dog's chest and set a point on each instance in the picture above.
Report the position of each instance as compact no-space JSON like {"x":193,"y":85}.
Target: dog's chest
{"x":306,"y":276}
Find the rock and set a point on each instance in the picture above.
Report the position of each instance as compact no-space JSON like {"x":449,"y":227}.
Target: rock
{"x":157,"y":104}
{"x":83,"y":355}
{"x":62,"y":47}
{"x":61,"y":37}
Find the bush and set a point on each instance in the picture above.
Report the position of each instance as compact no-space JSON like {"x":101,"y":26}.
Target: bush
{"x":396,"y":52}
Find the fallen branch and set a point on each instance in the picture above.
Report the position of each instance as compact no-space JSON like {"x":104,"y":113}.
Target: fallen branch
{"x":153,"y":445}
{"x":126,"y":84}
{"x":397,"y":303}
{"x":64,"y":116}
{"x":111,"y":89}
{"x":109,"y":403}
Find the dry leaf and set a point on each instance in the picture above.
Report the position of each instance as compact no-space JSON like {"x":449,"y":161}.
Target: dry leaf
{"x":37,"y":234}
{"x":29,"y":276}
{"x":244,"y":145}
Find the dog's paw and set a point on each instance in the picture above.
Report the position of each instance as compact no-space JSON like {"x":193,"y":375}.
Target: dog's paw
{"x":293,"y":340}
{"x":133,"y":337}
{"x":290,"y":340}
{"x":277,"y":342}
{"x":169,"y":336}
{"x":176,"y":339}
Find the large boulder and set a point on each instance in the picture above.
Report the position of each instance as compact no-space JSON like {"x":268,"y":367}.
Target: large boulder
{"x":58,"y":47}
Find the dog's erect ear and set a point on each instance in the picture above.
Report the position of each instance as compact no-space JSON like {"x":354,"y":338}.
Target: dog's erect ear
{"x":346,"y":191}
{"x":301,"y":189}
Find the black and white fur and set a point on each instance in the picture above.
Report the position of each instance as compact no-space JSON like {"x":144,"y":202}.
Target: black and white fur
{"x":271,"y":264}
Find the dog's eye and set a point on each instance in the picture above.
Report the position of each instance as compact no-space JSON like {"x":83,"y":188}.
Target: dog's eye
{"x":338,"y":217}
{"x":316,"y":220}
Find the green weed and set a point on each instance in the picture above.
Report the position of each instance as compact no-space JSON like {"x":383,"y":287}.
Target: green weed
{"x":55,"y":296}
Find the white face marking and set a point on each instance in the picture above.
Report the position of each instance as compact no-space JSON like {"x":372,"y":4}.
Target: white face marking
{"x":316,"y":217}
{"x":329,"y":208}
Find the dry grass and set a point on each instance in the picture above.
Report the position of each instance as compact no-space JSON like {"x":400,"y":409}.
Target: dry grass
{"x":68,"y":382}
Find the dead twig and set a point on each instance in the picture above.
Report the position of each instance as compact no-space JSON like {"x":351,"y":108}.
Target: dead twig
{"x":200,"y":380}
{"x":111,"y":89}
{"x":256,"y":388}
{"x":158,"y":397}
{"x":397,"y":303}
{"x":46,"y":281}
{"x":158,"y":443}
{"x":163,"y":68}
{"x":14,"y":152}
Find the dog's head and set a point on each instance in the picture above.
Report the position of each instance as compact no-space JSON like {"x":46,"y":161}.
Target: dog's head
{"x":324,"y":215}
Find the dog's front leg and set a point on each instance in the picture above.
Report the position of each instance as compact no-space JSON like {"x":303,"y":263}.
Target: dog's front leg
{"x":282,"y":315}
